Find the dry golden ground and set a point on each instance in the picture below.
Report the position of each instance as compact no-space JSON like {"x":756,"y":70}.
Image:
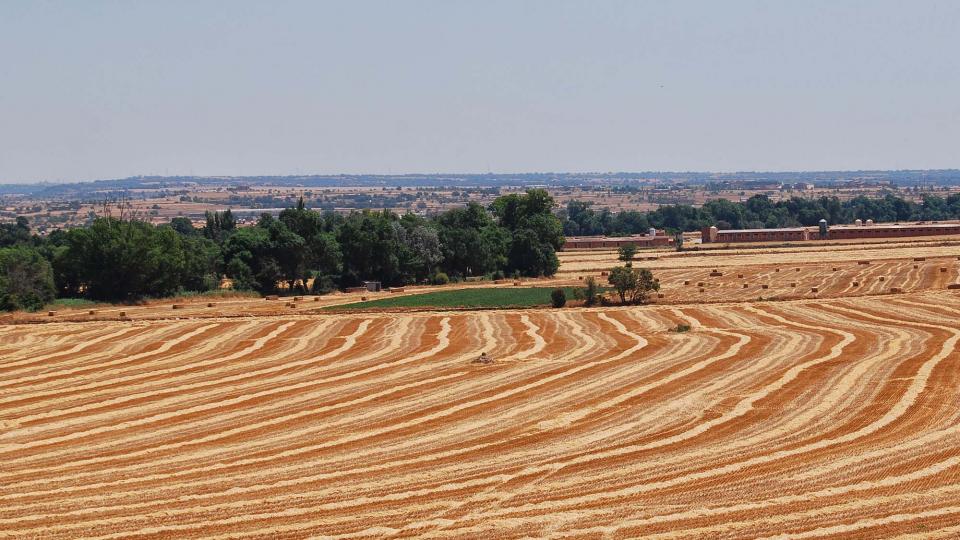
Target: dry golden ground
{"x":806,"y":418}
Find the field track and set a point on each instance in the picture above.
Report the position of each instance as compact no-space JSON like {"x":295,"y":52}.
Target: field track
{"x":813,"y":418}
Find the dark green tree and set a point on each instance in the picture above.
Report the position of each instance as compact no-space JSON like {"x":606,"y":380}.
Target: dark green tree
{"x":26,"y":279}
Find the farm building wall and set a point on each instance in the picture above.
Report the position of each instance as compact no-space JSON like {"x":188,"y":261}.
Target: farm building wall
{"x":710,"y":234}
{"x":641,"y":241}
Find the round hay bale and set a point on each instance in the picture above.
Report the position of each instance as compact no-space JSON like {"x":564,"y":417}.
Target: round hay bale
{"x":51,"y":313}
{"x":745,"y":285}
{"x":943,"y":269}
{"x":210,"y":304}
{"x":92,"y":312}
{"x":814,"y":289}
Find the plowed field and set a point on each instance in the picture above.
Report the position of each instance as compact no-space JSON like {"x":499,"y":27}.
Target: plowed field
{"x":802,"y":419}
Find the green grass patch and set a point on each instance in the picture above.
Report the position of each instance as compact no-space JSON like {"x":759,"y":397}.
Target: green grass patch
{"x":480,"y":297}
{"x":217,"y":293}
{"x":73,"y":303}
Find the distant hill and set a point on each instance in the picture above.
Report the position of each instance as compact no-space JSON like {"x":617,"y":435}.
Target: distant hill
{"x":549,"y":179}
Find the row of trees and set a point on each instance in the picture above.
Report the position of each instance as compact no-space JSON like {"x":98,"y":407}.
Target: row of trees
{"x":757,"y":212}
{"x":125,"y":260}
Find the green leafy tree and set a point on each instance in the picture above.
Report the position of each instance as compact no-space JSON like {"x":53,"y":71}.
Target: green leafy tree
{"x":536,"y":232}
{"x":220,"y":225}
{"x":626,"y":252}
{"x":125,"y":260}
{"x":632,"y":284}
{"x":470,"y":242}
{"x":184,"y":226}
{"x":12,"y":234}
{"x":26,"y":279}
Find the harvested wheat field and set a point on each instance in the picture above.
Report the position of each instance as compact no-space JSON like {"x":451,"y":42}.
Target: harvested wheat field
{"x":800,"y":419}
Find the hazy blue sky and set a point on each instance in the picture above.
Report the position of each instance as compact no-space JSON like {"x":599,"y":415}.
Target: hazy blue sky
{"x":93,"y":89}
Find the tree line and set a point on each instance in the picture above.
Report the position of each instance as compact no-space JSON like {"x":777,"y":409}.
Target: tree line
{"x":301,"y":249}
{"x":757,"y":212}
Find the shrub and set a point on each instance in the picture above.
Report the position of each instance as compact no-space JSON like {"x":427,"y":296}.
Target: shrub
{"x":440,"y":278}
{"x":558,"y":298}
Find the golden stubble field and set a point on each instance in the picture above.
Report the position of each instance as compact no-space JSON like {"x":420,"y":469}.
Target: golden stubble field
{"x":801,"y":418}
